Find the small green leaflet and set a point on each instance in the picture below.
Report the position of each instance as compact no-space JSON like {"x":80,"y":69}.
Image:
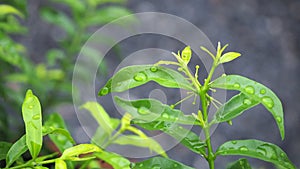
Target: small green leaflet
{"x":255,"y":91}
{"x":16,"y":150}
{"x":4,"y":147}
{"x":160,"y":162}
{"x":257,"y":149}
{"x":227,"y":57}
{"x":60,"y":164}
{"x":137,"y":75}
{"x":32,"y":116}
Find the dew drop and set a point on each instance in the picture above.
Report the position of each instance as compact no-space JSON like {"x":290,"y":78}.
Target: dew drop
{"x":236,"y":85}
{"x":175,"y":165}
{"x":282,"y":155}
{"x":233,"y":142}
{"x":247,"y":102}
{"x":141,"y":165}
{"x":172,"y":106}
{"x":243,"y":148}
{"x":36,"y":117}
{"x":104,"y":91}
{"x":140,"y":77}
{"x":143,"y":110}
{"x":278,"y":119}
{"x":30,"y":106}
{"x":268,"y":102}
{"x":165,"y":115}
{"x":262,"y":91}
{"x":156,"y":166}
{"x":261,"y":151}
{"x":249,"y":90}
{"x":153,"y":69}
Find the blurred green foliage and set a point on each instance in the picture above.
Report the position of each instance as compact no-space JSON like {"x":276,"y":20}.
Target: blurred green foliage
{"x":51,"y":78}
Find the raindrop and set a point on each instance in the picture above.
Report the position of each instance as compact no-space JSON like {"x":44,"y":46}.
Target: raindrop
{"x":165,"y":115}
{"x":261,"y":151}
{"x":153,"y":69}
{"x":278,"y":119}
{"x":243,"y":148}
{"x":249,"y":90}
{"x":234,"y":142}
{"x":156,"y":166}
{"x":236,"y":85}
{"x":268,"y":101}
{"x":247,"y":102}
{"x":140,"y":77}
{"x":282,"y":155}
{"x":143,"y":110}
{"x":175,"y":165}
{"x":36,"y":117}
{"x":172,"y":106}
{"x":141,"y":165}
{"x":30,"y":106}
{"x":262,"y":91}
{"x":104,"y":91}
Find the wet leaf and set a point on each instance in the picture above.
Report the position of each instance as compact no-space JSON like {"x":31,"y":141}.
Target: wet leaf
{"x":233,"y":108}
{"x":137,"y":75}
{"x":32,"y":116}
{"x":255,"y":91}
{"x":58,"y":132}
{"x":115,"y":160}
{"x":256,"y":149}
{"x":239,"y":164}
{"x":154,"y":110}
{"x":73,"y":152}
{"x":186,"y":137}
{"x":160,"y":162}
{"x":138,"y":141}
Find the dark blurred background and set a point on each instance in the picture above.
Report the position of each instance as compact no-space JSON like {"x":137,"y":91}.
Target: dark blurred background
{"x":267,"y":33}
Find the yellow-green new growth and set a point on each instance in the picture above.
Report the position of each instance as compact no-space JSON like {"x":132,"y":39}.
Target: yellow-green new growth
{"x":186,"y":54}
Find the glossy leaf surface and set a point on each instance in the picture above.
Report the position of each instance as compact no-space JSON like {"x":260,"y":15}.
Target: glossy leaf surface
{"x":154,"y":110}
{"x":58,"y":133}
{"x":256,"y":149}
{"x":137,"y":75}
{"x":115,"y":160}
{"x":141,"y":142}
{"x":186,"y":137}
{"x":233,"y":108}
{"x":239,"y":164}
{"x":16,"y":150}
{"x":4,"y":147}
{"x":32,"y":116}
{"x":160,"y":162}
{"x":255,"y":91}
{"x":73,"y":152}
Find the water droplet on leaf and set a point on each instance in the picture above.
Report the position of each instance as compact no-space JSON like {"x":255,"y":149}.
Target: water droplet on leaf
{"x":36,"y":117}
{"x":236,"y":85}
{"x":143,"y":110}
{"x":165,"y":115}
{"x":30,"y":106}
{"x":268,"y":102}
{"x":234,"y":142}
{"x":140,"y":77}
{"x":278,"y":119}
{"x":247,"y":102}
{"x":243,"y":148}
{"x":261,"y":151}
{"x":104,"y":91}
{"x":262,"y":91}
{"x":156,"y":166}
{"x":249,"y":90}
{"x":153,"y":69}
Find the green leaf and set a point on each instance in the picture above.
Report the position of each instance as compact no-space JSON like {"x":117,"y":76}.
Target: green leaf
{"x":255,"y":91}
{"x":184,"y":136}
{"x":60,"y":164}
{"x":4,"y":147}
{"x":58,"y":18}
{"x":32,"y":116}
{"x":16,"y":150}
{"x":256,"y":149}
{"x":107,"y":15}
{"x":233,"y":108}
{"x":101,"y":136}
{"x":160,"y":162}
{"x":58,"y":132}
{"x":186,"y":54}
{"x":154,"y":110}
{"x":7,"y":9}
{"x":115,"y":160}
{"x":137,"y":75}
{"x":140,"y":142}
{"x":239,"y":164}
{"x":74,"y":152}
{"x":99,"y":115}
{"x":227,"y":57}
